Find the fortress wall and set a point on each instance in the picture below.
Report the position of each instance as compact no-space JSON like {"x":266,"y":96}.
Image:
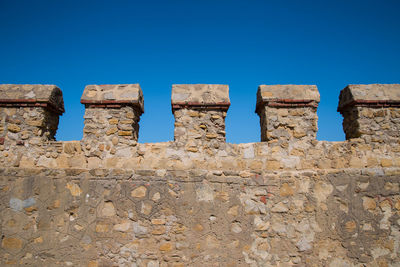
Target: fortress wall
{"x":289,"y":200}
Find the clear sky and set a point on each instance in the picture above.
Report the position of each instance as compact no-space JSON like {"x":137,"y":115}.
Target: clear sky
{"x":240,"y":43}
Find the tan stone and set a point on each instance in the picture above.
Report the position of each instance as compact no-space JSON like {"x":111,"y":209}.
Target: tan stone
{"x":11,"y":223}
{"x":38,"y":240}
{"x":113,"y":121}
{"x":126,"y":121}
{"x":13,"y":128}
{"x":192,"y":149}
{"x":167,"y":246}
{"x":62,"y":162}
{"x":158,"y":230}
{"x":125,"y":133}
{"x":397,"y":205}
{"x":156,"y":197}
{"x":386,"y":162}
{"x":107,"y":210}
{"x":130,"y":115}
{"x":309,"y":208}
{"x":71,"y":147}
{"x":112,"y":130}
{"x":372,"y":162}
{"x":78,"y":227}
{"x":94,"y":162}
{"x":234,"y":210}
{"x":280,"y":208}
{"x":286,"y":190}
{"x":223,"y":196}
{"x":122,"y":227}
{"x":385,"y":205}
{"x":369,"y":203}
{"x":26,"y":162}
{"x":111,"y":162}
{"x":30,"y":209}
{"x":139,"y":192}
{"x":296,"y":152}
{"x":322,"y":191}
{"x":299,"y":134}
{"x":324,"y":164}
{"x":36,"y":123}
{"x":11,"y":243}
{"x":394,"y":187}
{"x":273,"y":165}
{"x":212,"y":242}
{"x":296,"y":112}
{"x":74,"y":189}
{"x":93,"y":263}
{"x":24,"y":135}
{"x":115,"y":140}
{"x":260,"y":224}
{"x":198,"y":227}
{"x":101,"y":147}
{"x":172,"y":193}
{"x":256,"y":165}
{"x":77,"y":161}
{"x":356,"y":162}
{"x":146,"y":208}
{"x":102,"y":227}
{"x":56,"y":204}
{"x":158,"y":221}
{"x":350,"y":226}
{"x":193,"y":113}
{"x":211,"y":135}
{"x":245,"y":174}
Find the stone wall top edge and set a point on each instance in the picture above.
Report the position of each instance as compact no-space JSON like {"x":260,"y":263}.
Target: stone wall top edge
{"x":373,"y":95}
{"x":108,"y":95}
{"x":171,"y":143}
{"x":31,"y":95}
{"x":287,"y":93}
{"x":204,"y":94}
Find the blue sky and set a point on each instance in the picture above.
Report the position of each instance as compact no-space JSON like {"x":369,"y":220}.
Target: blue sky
{"x":239,"y":43}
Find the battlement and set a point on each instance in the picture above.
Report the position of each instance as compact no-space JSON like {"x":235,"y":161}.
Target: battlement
{"x":289,"y":200}
{"x":287,"y":113}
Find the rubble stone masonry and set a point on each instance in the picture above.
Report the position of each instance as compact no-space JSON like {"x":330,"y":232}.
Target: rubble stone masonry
{"x":289,"y":200}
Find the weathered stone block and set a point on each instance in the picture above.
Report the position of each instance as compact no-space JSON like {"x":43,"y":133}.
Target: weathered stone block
{"x":200,"y":111}
{"x":370,"y":111}
{"x":200,"y":94}
{"x":30,"y":111}
{"x":112,"y":111}
{"x":287,"y":112}
{"x":113,"y":94}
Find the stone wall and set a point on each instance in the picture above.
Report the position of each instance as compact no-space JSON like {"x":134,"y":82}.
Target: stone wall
{"x":288,"y":201}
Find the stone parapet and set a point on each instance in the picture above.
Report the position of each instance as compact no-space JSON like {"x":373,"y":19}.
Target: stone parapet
{"x":200,"y":96}
{"x":29,"y":113}
{"x":287,"y":112}
{"x":371,"y":111}
{"x":200,"y":111}
{"x":332,"y":204}
{"x":113,"y":96}
{"x":112,"y":116}
{"x":32,"y":95}
{"x":109,"y":201}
